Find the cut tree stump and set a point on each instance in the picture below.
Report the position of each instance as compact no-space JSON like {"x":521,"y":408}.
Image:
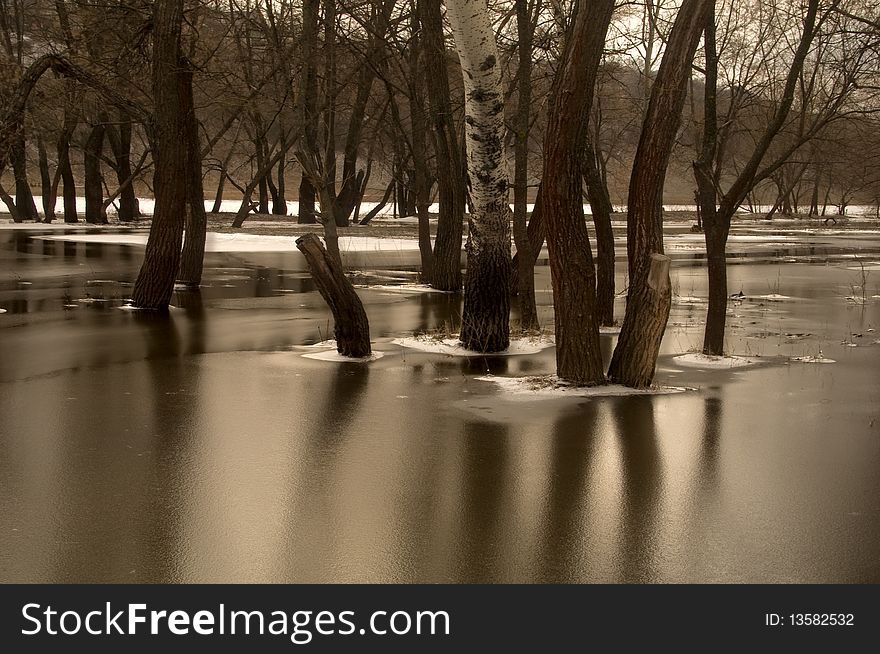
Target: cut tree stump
{"x":352,"y":329}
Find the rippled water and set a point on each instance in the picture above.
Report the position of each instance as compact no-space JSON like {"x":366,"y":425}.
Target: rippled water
{"x":203,"y":447}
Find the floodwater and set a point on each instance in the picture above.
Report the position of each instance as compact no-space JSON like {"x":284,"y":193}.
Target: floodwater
{"x":202,"y":446}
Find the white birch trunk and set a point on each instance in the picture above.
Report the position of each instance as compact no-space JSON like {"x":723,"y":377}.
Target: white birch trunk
{"x":485,"y":323}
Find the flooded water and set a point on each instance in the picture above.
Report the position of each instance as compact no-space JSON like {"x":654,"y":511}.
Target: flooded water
{"x":203,"y":447}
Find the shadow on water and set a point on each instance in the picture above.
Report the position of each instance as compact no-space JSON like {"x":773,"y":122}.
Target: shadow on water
{"x":572,"y":446}
{"x":316,"y":519}
{"x":482,"y":537}
{"x":641,"y":472}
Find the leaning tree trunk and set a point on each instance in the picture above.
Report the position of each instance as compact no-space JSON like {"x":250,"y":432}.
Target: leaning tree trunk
{"x":94,"y":181}
{"x":650,"y":294}
{"x":351,"y":327}
{"x":193,"y":255}
{"x":155,"y":282}
{"x":578,"y":357}
{"x":486,"y":317}
{"x":446,"y":275}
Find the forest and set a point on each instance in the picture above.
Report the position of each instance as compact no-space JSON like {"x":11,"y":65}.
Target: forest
{"x":468,"y":105}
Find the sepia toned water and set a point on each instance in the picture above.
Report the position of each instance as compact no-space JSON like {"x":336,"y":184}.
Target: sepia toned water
{"x":202,"y":447}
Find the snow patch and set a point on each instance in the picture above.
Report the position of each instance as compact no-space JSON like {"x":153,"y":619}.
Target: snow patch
{"x":772,"y":297}
{"x":550,"y":386}
{"x":402,"y":288}
{"x":453,"y":347}
{"x":2,"y":310}
{"x":699,"y":360}
{"x":812,"y":359}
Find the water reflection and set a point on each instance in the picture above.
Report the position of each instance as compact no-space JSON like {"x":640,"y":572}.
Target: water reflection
{"x":481,"y":530}
{"x":641,"y":470}
{"x":564,"y":531}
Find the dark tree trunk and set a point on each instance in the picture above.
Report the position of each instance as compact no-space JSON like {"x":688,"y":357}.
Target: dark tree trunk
{"x":155,"y":283}
{"x":601,"y":208}
{"x":262,"y":187}
{"x":24,"y":198}
{"x":705,"y":175}
{"x":221,"y":184}
{"x":94,"y":179}
{"x":351,"y":327}
{"x":650,"y":294}
{"x":68,"y":183}
{"x":193,"y":255}
{"x":528,"y":311}
{"x":578,"y":357}
{"x":120,"y":144}
{"x":279,"y":200}
{"x":308,"y":101}
{"x":306,"y":214}
{"x":446,"y":275}
{"x":49,"y":189}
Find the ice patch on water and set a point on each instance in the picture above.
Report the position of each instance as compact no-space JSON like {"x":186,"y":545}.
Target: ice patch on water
{"x":550,"y":386}
{"x":812,"y":359}
{"x":453,"y":347}
{"x":699,"y":360}
{"x":333,"y":355}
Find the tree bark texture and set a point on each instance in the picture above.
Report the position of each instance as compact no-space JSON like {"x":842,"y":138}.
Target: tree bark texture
{"x":486,"y":316}
{"x":155,"y":282}
{"x":650,"y":295}
{"x":351,"y":327}
{"x":578,"y":357}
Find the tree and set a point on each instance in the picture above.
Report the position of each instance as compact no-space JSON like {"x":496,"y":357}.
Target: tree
{"x":649,"y":296}
{"x":486,"y":315}
{"x":578,"y":358}
{"x":155,"y":282}
{"x":446,"y":275}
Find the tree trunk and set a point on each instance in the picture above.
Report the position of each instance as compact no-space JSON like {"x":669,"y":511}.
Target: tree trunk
{"x":535,"y":234}
{"x":69,"y":184}
{"x":446,"y":275}
{"x":578,"y":357}
{"x":279,"y":200}
{"x":48,"y":192}
{"x":525,"y":278}
{"x":486,"y":316}
{"x":308,"y":101}
{"x":421,"y":177}
{"x":650,"y":294}
{"x":716,"y":315}
{"x":120,"y":144}
{"x":24,"y":198}
{"x":351,"y":327}
{"x":155,"y":282}
{"x":94,"y":179}
{"x":193,"y":255}
{"x":601,"y":208}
